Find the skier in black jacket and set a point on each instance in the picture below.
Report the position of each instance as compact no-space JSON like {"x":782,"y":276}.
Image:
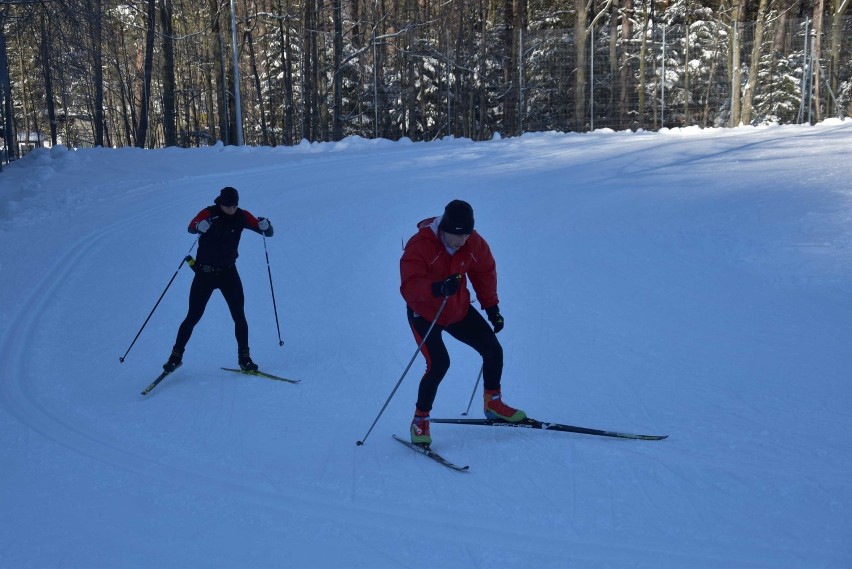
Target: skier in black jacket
{"x":221,"y":226}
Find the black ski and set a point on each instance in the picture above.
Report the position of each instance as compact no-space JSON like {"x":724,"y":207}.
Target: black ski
{"x":160,"y":378}
{"x":259,"y":373}
{"x":426,"y":451}
{"x":534,"y":424}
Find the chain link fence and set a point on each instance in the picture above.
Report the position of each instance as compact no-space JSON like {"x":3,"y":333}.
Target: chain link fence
{"x":663,"y":76}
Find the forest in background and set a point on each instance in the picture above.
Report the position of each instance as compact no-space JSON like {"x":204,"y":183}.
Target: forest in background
{"x":157,"y":73}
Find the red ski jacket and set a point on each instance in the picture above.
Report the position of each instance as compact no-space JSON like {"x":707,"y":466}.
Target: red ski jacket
{"x":426,"y":260}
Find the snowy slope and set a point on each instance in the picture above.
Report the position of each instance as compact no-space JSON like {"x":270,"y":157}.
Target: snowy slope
{"x":692,"y":283}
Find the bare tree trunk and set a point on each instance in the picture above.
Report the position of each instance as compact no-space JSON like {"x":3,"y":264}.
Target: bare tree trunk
{"x":520,"y":27}
{"x":705,"y":115}
{"x":210,"y":101}
{"x":381,"y":116}
{"x":838,"y":9}
{"x":581,"y":23}
{"x":611,"y":112}
{"x":46,"y":65}
{"x":145,"y":95}
{"x":483,"y":126}
{"x":8,"y":122}
{"x":264,"y":131}
{"x":687,"y":117}
{"x":308,"y":70}
{"x":287,"y":62}
{"x":408,"y":72}
{"x":124,"y":80}
{"x":96,"y":13}
{"x":510,"y":67}
{"x":643,"y":71}
{"x":819,"y":7}
{"x":784,"y":9}
{"x":460,"y":120}
{"x":220,"y":73}
{"x":736,"y":69}
{"x":323,"y":119}
{"x":754,"y":66}
{"x":337,"y":62}
{"x":169,"y":116}
{"x":24,"y":98}
{"x":624,"y":70}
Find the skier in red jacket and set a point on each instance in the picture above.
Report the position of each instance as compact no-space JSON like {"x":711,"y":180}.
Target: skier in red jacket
{"x":436,"y":264}
{"x":220,"y":226}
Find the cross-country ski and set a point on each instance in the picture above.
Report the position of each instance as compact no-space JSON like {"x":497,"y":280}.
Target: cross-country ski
{"x":548,"y":426}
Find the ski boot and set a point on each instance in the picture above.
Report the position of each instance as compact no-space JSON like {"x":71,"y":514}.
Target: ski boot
{"x":496,"y":410}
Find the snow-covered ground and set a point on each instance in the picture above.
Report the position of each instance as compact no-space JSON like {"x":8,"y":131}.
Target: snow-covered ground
{"x":690,"y":283}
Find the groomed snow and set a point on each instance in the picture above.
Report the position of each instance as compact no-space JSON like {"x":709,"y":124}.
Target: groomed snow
{"x":695,"y":283}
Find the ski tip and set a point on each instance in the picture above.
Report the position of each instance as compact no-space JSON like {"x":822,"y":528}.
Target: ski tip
{"x":641,"y":437}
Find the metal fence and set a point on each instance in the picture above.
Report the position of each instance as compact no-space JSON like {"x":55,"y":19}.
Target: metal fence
{"x":658,"y":76}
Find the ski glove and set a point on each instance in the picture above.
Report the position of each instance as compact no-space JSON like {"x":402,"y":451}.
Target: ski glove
{"x":202,"y":226}
{"x":262,"y":223}
{"x":447,"y":287}
{"x":495,"y":317}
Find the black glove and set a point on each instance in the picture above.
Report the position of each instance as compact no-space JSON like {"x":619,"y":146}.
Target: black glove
{"x":495,"y":317}
{"x":447,"y":287}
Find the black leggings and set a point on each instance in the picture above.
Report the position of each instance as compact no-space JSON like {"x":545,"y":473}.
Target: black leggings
{"x":228,"y":281}
{"x":472,"y":330}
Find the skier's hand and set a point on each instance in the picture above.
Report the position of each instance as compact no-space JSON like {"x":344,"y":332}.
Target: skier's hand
{"x":191,"y":262}
{"x":447,"y":287}
{"x":263,"y":224}
{"x":202,"y":226}
{"x":495,"y":317}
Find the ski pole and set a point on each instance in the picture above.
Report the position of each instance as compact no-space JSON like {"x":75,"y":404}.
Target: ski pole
{"x":469,"y":403}
{"x":443,"y":304}
{"x":182,"y":261}
{"x":274,"y":307}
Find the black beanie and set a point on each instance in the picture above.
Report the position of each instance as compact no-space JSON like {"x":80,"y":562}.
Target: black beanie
{"x":228,"y":196}
{"x":457,"y":218}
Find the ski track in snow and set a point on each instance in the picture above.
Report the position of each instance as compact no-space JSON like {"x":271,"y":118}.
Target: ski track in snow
{"x":20,"y":400}
{"x":370,"y":496}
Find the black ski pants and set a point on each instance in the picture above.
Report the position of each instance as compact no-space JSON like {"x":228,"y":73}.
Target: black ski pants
{"x":472,"y":330}
{"x":226,"y":280}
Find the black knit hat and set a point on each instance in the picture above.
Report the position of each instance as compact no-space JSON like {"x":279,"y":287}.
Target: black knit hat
{"x":457,"y":218}
{"x":228,"y":196}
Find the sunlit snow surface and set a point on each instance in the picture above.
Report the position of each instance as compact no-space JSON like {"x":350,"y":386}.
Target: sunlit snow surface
{"x":695,"y":283}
